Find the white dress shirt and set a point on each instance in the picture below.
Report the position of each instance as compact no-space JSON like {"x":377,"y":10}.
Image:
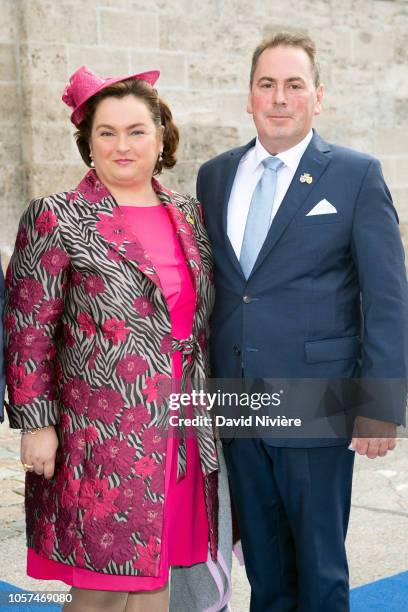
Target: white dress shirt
{"x":248,"y":174}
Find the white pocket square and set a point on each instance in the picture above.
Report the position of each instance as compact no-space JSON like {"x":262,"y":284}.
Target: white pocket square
{"x":322,"y":208}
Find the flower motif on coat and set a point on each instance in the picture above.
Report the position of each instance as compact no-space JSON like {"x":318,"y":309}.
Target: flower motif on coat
{"x":115,"y":330}
{"x":30,"y":343}
{"x":143,"y":306}
{"x":131,"y":493}
{"x":105,"y":404}
{"x":94,"y":285}
{"x":22,"y":239}
{"x":21,"y":384}
{"x":10,"y":321}
{"x":92,"y":188}
{"x":66,"y":531}
{"x":115,"y":456}
{"x":145,"y":466}
{"x":135,"y":252}
{"x":96,"y":498}
{"x":134,"y":418}
{"x":107,"y":540}
{"x":76,"y":278}
{"x":45,"y":381}
{"x":26,"y":295}
{"x":75,"y":394}
{"x":148,"y":557}
{"x":114,"y":228}
{"x":54,"y":260}
{"x":75,"y":446}
{"x":153,"y":439}
{"x":45,"y":538}
{"x":46,"y":222}
{"x":130,"y":367}
{"x":165,"y":344}
{"x":86,"y":324}
{"x":157,"y":388}
{"x":50,"y":311}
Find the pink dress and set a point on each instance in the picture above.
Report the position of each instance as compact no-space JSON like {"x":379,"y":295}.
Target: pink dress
{"x":185,"y":524}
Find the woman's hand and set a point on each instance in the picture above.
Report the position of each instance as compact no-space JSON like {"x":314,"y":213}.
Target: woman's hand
{"x":39,"y":450}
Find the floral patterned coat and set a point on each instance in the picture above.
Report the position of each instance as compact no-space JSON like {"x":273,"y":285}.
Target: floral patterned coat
{"x":88,"y":347}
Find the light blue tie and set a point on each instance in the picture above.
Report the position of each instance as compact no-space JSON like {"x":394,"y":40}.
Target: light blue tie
{"x":259,"y":215}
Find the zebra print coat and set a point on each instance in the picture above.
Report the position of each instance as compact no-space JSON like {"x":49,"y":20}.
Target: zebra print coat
{"x":89,"y":350}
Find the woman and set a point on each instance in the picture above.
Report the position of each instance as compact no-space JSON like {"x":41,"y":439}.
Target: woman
{"x":109,"y":292}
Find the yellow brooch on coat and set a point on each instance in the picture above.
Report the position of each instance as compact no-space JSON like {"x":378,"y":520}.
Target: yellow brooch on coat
{"x":306,"y":178}
{"x":190,"y":219}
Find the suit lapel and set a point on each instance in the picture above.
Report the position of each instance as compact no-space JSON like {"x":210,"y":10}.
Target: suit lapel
{"x":104,"y":219}
{"x":314,"y":162}
{"x":184,"y":228}
{"x":229,"y":171}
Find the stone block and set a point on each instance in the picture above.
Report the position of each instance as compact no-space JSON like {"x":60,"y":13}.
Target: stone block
{"x":370,"y":46}
{"x":246,"y":134}
{"x":12,"y":184}
{"x":182,"y":178}
{"x":400,"y":199}
{"x":401,"y":178}
{"x":182,"y":9}
{"x":404,"y":235}
{"x":190,"y":106}
{"x":103,"y":60}
{"x":45,"y":179}
{"x":42,"y":102}
{"x":401,"y":110}
{"x":231,"y":109}
{"x":199,"y":143}
{"x":391,"y":141}
{"x":207,"y":72}
{"x":10,"y":144}
{"x":187,"y":34}
{"x":128,"y":29}
{"x":388,"y":165}
{"x":9,"y":217}
{"x":172,"y":66}
{"x":46,"y":142}
{"x":8,"y":68}
{"x":9,"y":102}
{"x":62,"y":20}
{"x":43,"y":63}
{"x":9,"y":20}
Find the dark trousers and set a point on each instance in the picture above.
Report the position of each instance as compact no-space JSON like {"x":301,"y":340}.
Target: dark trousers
{"x":293,"y":506}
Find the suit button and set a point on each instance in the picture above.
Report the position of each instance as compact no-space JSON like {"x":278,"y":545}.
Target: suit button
{"x":237,"y":350}
{"x":247,"y":299}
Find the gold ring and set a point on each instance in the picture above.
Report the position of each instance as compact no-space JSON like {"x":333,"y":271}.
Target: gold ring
{"x":27,"y":466}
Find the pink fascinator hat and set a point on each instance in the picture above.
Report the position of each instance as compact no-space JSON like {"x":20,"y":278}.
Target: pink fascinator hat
{"x":84,"y":83}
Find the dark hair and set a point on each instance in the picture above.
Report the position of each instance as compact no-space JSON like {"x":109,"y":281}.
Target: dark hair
{"x":288,"y":39}
{"x":160,"y":113}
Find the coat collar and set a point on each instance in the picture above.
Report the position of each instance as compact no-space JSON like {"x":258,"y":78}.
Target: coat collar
{"x":103,"y":216}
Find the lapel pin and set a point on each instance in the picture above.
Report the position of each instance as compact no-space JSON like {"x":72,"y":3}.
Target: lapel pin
{"x":306,"y":178}
{"x":190,"y":219}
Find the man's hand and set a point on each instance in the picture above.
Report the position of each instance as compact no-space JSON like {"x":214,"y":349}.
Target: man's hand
{"x":39,"y":450}
{"x":373,"y":438}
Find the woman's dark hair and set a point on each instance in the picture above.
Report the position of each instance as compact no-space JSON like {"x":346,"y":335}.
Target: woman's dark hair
{"x":159,"y":111}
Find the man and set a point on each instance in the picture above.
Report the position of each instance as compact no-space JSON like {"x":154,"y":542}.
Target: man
{"x":310,"y":284}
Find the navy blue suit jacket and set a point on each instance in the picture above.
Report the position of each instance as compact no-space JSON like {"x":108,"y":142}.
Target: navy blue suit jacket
{"x":328,"y":296}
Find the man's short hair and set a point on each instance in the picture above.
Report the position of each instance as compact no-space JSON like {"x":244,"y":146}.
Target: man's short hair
{"x":288,"y":39}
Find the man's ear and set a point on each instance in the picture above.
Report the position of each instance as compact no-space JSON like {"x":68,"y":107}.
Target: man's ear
{"x":249,"y":103}
{"x":319,"y":99}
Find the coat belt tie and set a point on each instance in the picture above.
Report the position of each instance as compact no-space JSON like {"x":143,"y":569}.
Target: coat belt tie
{"x":193,"y":372}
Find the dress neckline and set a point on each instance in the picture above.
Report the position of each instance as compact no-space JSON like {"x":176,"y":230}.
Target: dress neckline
{"x":130,"y":206}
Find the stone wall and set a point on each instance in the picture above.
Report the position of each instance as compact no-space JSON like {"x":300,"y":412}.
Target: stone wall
{"x":203,"y":49}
